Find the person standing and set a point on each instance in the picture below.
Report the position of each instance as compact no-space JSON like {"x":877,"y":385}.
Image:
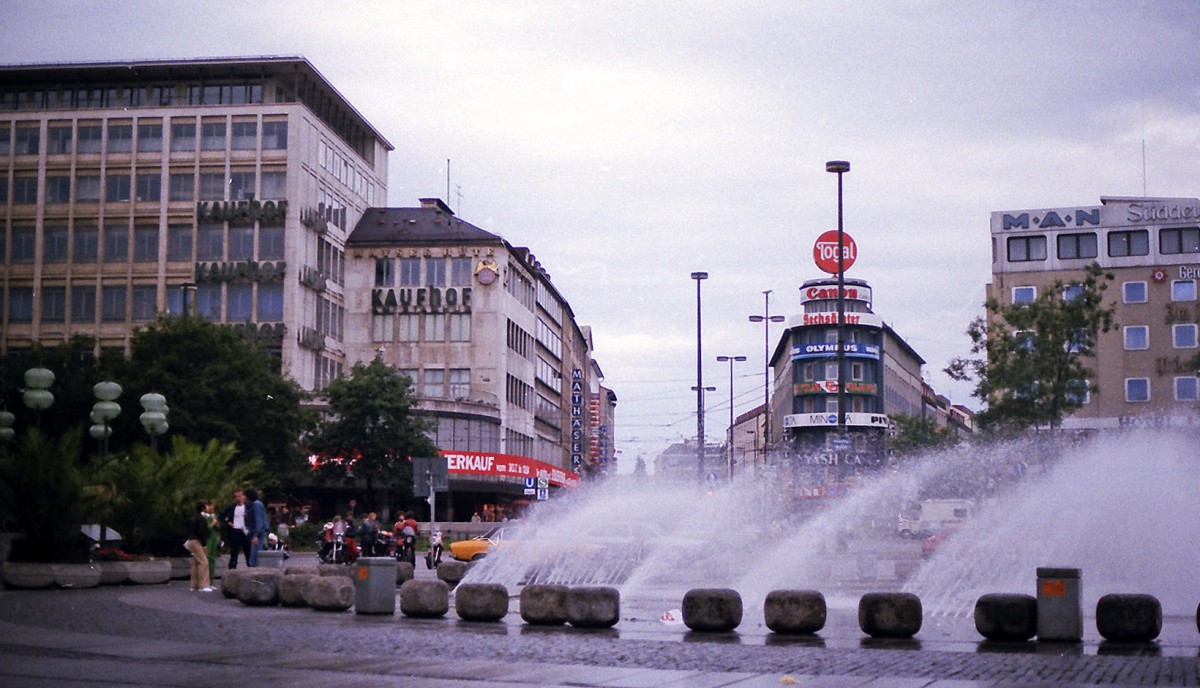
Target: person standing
{"x":234,"y":518}
{"x":213,"y":544}
{"x":257,"y":526}
{"x":197,"y":536}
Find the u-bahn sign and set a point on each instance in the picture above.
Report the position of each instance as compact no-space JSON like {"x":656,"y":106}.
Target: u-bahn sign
{"x":825,"y":251}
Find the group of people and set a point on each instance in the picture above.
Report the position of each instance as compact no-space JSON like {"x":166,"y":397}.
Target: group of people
{"x":248,"y":528}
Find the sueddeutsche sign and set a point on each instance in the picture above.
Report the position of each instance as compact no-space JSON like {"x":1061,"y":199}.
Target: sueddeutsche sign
{"x":242,"y":271}
{"x":421,"y":300}
{"x":826,"y":349}
{"x":1140,"y":212}
{"x":241,"y":211}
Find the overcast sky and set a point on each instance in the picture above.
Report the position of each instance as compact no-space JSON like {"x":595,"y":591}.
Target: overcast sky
{"x":631,"y":143}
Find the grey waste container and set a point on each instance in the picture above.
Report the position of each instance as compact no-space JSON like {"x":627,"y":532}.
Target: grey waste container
{"x":375,"y":586}
{"x":1059,"y":609}
{"x":270,"y":559}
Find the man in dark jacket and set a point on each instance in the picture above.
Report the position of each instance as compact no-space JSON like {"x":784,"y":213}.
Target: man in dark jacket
{"x":234,"y":519}
{"x":257,"y":526}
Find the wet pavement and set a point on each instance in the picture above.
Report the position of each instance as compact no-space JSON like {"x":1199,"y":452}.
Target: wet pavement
{"x":166,"y":635}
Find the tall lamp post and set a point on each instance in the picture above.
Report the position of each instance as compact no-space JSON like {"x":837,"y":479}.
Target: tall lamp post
{"x":840,"y":167}
{"x":37,"y":395}
{"x":154,"y":418}
{"x":766,"y":319}
{"x":731,"y":360}
{"x":699,"y":277}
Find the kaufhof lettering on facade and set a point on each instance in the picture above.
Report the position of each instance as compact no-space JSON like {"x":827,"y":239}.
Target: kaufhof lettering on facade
{"x":241,"y":211}
{"x":824,"y":420}
{"x":507,"y":466}
{"x":421,"y":300}
{"x":827,"y":349}
{"x":240,"y":271}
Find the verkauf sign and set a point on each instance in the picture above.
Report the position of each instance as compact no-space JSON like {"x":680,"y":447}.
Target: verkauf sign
{"x":507,"y":466}
{"x":825,"y":252}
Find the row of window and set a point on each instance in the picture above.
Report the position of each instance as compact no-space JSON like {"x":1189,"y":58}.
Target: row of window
{"x":116,"y":243}
{"x":1186,"y":388}
{"x":146,"y":187}
{"x":345,"y":172}
{"x":813,"y":371}
{"x":421,"y":327}
{"x":119,"y":303}
{"x":420,"y":272}
{"x":1137,"y":337}
{"x":154,"y":95}
{"x":1122,"y":243}
{"x":1131,"y":292}
{"x":440,"y":383}
{"x":120,"y":136}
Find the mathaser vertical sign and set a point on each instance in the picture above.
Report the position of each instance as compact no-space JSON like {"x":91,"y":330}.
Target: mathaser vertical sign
{"x":576,"y":419}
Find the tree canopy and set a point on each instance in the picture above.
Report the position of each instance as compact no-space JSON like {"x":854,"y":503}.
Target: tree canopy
{"x":917,"y":433}
{"x":1031,"y":372}
{"x":372,"y":430}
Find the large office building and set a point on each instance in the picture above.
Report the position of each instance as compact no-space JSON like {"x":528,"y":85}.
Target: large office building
{"x":1145,"y":371}
{"x":250,"y":192}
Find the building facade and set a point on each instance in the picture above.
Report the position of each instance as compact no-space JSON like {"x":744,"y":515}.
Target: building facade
{"x":1145,"y":371}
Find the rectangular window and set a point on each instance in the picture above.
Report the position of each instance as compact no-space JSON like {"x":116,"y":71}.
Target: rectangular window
{"x":118,"y":188}
{"x":270,"y":302}
{"x":120,"y":138}
{"x":435,"y":272}
{"x":83,"y":304}
{"x":275,"y":135}
{"x":208,"y":301}
{"x":210,"y":242}
{"x":460,"y":383}
{"x":1137,"y":337}
{"x":87,"y":244}
{"x":408,"y":327}
{"x":27,"y":140}
{"x":54,"y":304}
{"x":1137,"y":389}
{"x":179,"y":243}
{"x":383,"y":328}
{"x":241,"y":186}
{"x":149,"y":137}
{"x":460,"y":272}
{"x":87,"y":189}
{"x":54,"y":245}
{"x":24,"y":240}
{"x":1026,"y":248}
{"x":1079,"y":392}
{"x":5,"y":139}
{"x":274,"y":185}
{"x":116,"y":243}
{"x":112,"y":303}
{"x":1071,"y":246}
{"x":183,"y":136}
{"x":241,"y":243}
{"x":1179,"y":240}
{"x":149,"y":187}
{"x":857,"y":371}
{"x":145,"y":244}
{"x":20,"y":304}
{"x":59,"y":140}
{"x":25,"y":190}
{"x":143,"y":302}
{"x":385,"y":275}
{"x":433,"y":382}
{"x":1134,"y":242}
{"x":58,"y":189}
{"x":1187,"y":388}
{"x":1183,"y":336}
{"x":1019,"y":295}
{"x":245,"y":135}
{"x":1183,"y":290}
{"x":1072,"y":292}
{"x":183,"y":186}
{"x":90,"y":138}
{"x":270,"y":243}
{"x":212,"y":186}
{"x":212,"y":136}
{"x":435,"y":327}
{"x":1133,"y":292}
{"x":460,"y":327}
{"x":239,"y":302}
{"x":410,"y":272}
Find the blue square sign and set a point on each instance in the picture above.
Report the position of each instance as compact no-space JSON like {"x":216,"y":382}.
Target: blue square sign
{"x":530,"y":483}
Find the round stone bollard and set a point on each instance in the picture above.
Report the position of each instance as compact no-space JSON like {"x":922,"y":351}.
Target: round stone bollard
{"x":405,"y":571}
{"x":1006,"y":616}
{"x":424,"y":599}
{"x":292,"y":589}
{"x":452,"y":572}
{"x":336,"y":570}
{"x":1129,"y":618}
{"x":301,"y":571}
{"x":544,"y":605}
{"x":889,"y":614}
{"x":230,"y":581}
{"x":593,"y":607}
{"x":797,"y":612}
{"x":330,"y":593}
{"x":481,"y":601}
{"x":713,"y":610}
{"x":259,"y":587}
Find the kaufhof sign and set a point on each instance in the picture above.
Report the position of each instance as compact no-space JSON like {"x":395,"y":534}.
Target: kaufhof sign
{"x":507,"y":466}
{"x":825,"y":420}
{"x":828,"y":349}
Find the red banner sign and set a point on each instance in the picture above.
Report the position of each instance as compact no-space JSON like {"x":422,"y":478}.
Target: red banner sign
{"x":507,"y":466}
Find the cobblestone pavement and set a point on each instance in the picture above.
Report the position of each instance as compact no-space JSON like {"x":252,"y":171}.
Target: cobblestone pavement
{"x":166,"y":635}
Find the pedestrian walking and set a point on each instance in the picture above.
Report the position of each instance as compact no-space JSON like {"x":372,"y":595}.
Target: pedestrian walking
{"x":257,"y":525}
{"x":197,"y":536}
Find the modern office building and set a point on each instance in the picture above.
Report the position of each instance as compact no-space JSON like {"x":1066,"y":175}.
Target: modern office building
{"x":247,"y":191}
{"x":1145,"y":371}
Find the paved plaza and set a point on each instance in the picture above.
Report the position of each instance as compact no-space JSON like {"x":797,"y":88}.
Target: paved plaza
{"x":166,"y":635}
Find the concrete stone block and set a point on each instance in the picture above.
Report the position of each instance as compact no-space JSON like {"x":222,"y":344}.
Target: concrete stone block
{"x":452,"y":572}
{"x":481,"y":601}
{"x":301,"y":571}
{"x":229,"y":582}
{"x":593,"y":607}
{"x":292,"y":589}
{"x":1006,"y":616}
{"x":890,"y":614}
{"x":76,"y":576}
{"x":713,"y":610}
{"x":330,"y":593}
{"x":424,"y":598}
{"x":1129,"y":618}
{"x":405,"y":571}
{"x":544,"y":605}
{"x":28,"y":575}
{"x":259,"y":587}
{"x":795,"y":611}
{"x":336,"y":570}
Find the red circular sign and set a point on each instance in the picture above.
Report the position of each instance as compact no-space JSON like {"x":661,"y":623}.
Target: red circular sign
{"x":825,"y":251}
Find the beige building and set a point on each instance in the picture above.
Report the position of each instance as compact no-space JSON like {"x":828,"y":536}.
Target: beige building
{"x":1145,"y":370}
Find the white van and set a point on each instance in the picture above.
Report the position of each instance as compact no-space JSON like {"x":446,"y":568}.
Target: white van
{"x":931,"y":515}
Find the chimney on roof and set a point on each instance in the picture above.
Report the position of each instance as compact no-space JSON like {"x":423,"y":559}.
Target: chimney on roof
{"x":436,"y":204}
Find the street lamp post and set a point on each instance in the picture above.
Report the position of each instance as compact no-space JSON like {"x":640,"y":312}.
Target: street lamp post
{"x":154,"y":418}
{"x":731,"y":360}
{"x":699,"y":277}
{"x":37,"y":395}
{"x":766,"y":319}
{"x":104,"y":410}
{"x":840,"y":167}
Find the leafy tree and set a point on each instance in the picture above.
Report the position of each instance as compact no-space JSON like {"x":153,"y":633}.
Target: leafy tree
{"x":373,"y":429}
{"x":918,"y":433}
{"x":40,"y":495}
{"x":218,"y":385}
{"x":1032,"y":372}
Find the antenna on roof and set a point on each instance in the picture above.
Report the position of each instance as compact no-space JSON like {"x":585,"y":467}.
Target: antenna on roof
{"x":447,"y":180}
{"x":1143,"y":146}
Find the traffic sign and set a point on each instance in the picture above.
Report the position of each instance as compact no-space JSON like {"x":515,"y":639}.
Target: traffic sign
{"x":840,"y":442}
{"x":543,"y":494}
{"x":530,"y":483}
{"x":825,"y":251}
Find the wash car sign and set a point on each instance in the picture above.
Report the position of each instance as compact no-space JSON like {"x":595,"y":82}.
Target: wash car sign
{"x":507,"y":466}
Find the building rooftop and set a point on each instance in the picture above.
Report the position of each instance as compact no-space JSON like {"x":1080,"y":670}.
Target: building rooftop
{"x":431,"y":223}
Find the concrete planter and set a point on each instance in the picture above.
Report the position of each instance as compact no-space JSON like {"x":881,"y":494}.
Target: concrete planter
{"x":28,"y":576}
{"x":150,"y":572}
{"x":181,"y":568}
{"x":76,"y":576}
{"x":113,"y":572}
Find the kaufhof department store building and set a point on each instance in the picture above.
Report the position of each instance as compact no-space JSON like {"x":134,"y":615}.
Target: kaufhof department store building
{"x":231,"y":187}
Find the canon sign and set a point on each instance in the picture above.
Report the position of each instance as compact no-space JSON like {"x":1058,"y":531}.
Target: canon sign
{"x":822,"y":293}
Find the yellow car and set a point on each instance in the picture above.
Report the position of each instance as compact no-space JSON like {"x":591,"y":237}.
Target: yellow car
{"x":477,"y":547}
